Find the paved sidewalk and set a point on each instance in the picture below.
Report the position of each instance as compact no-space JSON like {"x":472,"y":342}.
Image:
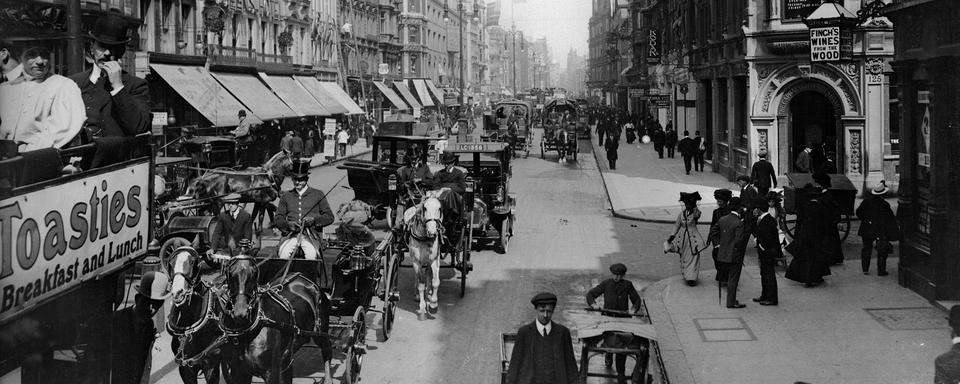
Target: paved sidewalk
{"x":852,"y":329}
{"x":647,"y":188}
{"x":355,"y":150}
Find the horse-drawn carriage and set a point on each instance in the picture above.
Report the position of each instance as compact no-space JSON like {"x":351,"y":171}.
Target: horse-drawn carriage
{"x":497,"y":127}
{"x":796,"y":197}
{"x":630,"y":334}
{"x":493,"y":212}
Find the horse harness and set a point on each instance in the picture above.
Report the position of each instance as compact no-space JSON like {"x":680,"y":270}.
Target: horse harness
{"x":417,"y":229}
{"x":185,"y":334}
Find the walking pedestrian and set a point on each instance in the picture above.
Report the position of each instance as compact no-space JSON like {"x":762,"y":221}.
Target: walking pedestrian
{"x":543,"y":351}
{"x":878,"y":225}
{"x":946,"y":368}
{"x":309,"y":144}
{"x":698,"y":155}
{"x":631,"y":132}
{"x":763,"y":175}
{"x":671,"y":140}
{"x":691,"y":242}
{"x":342,"y":139}
{"x":286,"y":143}
{"x":612,"y":145}
{"x":601,"y":128}
{"x":296,"y":145}
{"x":618,"y":294}
{"x":811,"y":248}
{"x":726,"y":237}
{"x":659,"y":140}
{"x":368,"y":131}
{"x":688,"y":149}
{"x":803,"y":160}
{"x":751,"y":201}
{"x":722,"y":196}
{"x":768,"y":250}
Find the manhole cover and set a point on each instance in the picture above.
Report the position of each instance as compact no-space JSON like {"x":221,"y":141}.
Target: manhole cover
{"x":904,"y":319}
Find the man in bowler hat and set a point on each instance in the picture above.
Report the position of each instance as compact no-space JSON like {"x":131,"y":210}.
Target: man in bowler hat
{"x":118,"y":103}
{"x":768,"y":250}
{"x":946,"y":368}
{"x":543,"y":352}
{"x":618,"y":293}
{"x":727,"y":237}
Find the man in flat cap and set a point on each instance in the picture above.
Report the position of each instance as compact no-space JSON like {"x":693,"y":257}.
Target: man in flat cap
{"x":618,"y":293}
{"x":543,"y":352}
{"x":233,"y":225}
{"x":946,"y":368}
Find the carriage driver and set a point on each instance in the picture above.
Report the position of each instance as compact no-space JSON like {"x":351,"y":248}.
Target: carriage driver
{"x":233,"y":225}
{"x":303,"y":204}
{"x":414,"y":170}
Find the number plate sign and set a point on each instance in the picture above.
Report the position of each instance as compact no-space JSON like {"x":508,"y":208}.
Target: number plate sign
{"x":478,"y":147}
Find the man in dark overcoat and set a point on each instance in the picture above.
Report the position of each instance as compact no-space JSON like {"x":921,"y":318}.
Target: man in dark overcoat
{"x":233,"y":224}
{"x":827,"y":217}
{"x":659,"y":137}
{"x":768,"y":250}
{"x":303,"y":204}
{"x":722,"y":196}
{"x":946,"y":367}
{"x":763,"y":175}
{"x":670,"y":139}
{"x":543,"y":351}
{"x":612,"y":146}
{"x":118,"y":103}
{"x":877,"y":222}
{"x":688,"y":149}
{"x":618,"y":293}
{"x":726,"y":236}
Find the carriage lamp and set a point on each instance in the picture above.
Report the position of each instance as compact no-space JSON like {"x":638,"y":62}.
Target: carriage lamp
{"x":207,"y":147}
{"x":469,"y":187}
{"x":499,"y":194}
{"x":358,"y":258}
{"x":468,"y":207}
{"x":392,"y":183}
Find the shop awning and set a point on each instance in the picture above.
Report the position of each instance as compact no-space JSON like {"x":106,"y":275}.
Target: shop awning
{"x":296,"y":97}
{"x":435,"y":91}
{"x":421,"y":87}
{"x":407,"y":96}
{"x":249,"y":90}
{"x":340,"y":96}
{"x":312,"y":85}
{"x":391,"y":95}
{"x":201,"y":91}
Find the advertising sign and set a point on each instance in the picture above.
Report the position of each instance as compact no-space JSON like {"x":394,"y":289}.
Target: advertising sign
{"x":653,"y":47}
{"x":799,"y":9}
{"x":924,"y":153}
{"x":825,"y":44}
{"x":55,"y":238}
{"x":635,"y":92}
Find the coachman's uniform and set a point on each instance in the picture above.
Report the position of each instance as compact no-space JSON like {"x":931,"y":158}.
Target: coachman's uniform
{"x":294,"y":207}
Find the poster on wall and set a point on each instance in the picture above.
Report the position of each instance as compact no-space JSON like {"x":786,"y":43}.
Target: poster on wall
{"x":924,"y":153}
{"x":799,"y":9}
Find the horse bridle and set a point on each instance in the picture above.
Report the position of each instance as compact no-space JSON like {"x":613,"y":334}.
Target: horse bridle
{"x":420,"y":217}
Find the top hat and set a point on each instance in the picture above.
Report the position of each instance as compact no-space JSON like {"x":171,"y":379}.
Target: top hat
{"x":110,"y":29}
{"x":880,"y":189}
{"x":301,"y":169}
{"x":448,"y":158}
{"x":154,"y":285}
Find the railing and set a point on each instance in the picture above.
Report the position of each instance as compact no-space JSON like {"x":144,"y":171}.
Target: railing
{"x":277,"y":59}
{"x":220,"y":55}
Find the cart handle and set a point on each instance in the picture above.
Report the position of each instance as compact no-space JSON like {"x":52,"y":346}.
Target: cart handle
{"x":614,"y":311}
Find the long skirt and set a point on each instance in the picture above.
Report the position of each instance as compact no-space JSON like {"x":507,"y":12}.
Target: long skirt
{"x":690,"y":244}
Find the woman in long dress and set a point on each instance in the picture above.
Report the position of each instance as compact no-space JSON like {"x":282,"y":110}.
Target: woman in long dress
{"x":688,"y":239}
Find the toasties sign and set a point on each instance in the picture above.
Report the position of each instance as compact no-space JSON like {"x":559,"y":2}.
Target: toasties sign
{"x":830,"y":44}
{"x":57,"y":237}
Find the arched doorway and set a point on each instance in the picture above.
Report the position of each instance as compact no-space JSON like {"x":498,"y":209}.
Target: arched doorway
{"x":815,"y":120}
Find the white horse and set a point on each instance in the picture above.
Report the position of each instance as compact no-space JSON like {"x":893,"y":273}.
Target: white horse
{"x":423,"y":226}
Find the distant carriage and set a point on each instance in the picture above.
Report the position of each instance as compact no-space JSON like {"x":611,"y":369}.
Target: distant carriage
{"x":561,"y":129}
{"x":497,"y":128}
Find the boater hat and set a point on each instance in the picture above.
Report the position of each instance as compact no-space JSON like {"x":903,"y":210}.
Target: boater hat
{"x":880,"y":189}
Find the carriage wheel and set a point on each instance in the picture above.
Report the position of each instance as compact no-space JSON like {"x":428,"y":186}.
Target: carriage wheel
{"x":166,"y":251}
{"x":390,"y":292}
{"x":788,"y":223}
{"x":353,"y":360}
{"x":506,"y":228}
{"x":465,"y":265}
{"x":541,"y":149}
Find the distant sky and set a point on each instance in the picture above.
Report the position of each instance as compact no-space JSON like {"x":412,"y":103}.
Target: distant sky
{"x":563,"y":22}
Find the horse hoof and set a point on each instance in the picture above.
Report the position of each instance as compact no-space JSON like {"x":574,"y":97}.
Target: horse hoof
{"x":433,"y":309}
{"x":421,"y":316}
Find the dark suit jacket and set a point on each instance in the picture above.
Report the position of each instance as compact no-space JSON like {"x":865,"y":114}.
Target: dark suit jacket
{"x":229,"y":228}
{"x":293,"y":208}
{"x":456,"y":180}
{"x":125,"y":114}
{"x":763,"y":174}
{"x":727,"y":234}
{"x":946,"y":368}
{"x":768,"y":236}
{"x":687,"y":147}
{"x":877,"y":219}
{"x":521,"y":360}
{"x":750,"y":198}
{"x":803,"y":162}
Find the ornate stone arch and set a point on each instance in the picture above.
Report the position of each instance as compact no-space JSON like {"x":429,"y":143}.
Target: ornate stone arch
{"x":778,"y":85}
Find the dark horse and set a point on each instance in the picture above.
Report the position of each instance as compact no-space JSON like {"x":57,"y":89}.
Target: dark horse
{"x":257,"y":185}
{"x":271,"y":323}
{"x":197,"y":340}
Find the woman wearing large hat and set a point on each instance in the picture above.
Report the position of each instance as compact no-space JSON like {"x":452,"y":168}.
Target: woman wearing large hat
{"x":117,"y":103}
{"x":687,"y":237}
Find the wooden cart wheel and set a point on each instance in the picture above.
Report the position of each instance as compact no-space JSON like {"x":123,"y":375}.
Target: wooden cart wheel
{"x":353,"y":360}
{"x":788,"y":223}
{"x":166,"y":252}
{"x":390,"y":292}
{"x":844,"y":227}
{"x":464,"y":253}
{"x":505,"y":231}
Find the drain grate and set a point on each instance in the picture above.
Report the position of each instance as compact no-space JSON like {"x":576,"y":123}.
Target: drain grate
{"x":908,"y":319}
